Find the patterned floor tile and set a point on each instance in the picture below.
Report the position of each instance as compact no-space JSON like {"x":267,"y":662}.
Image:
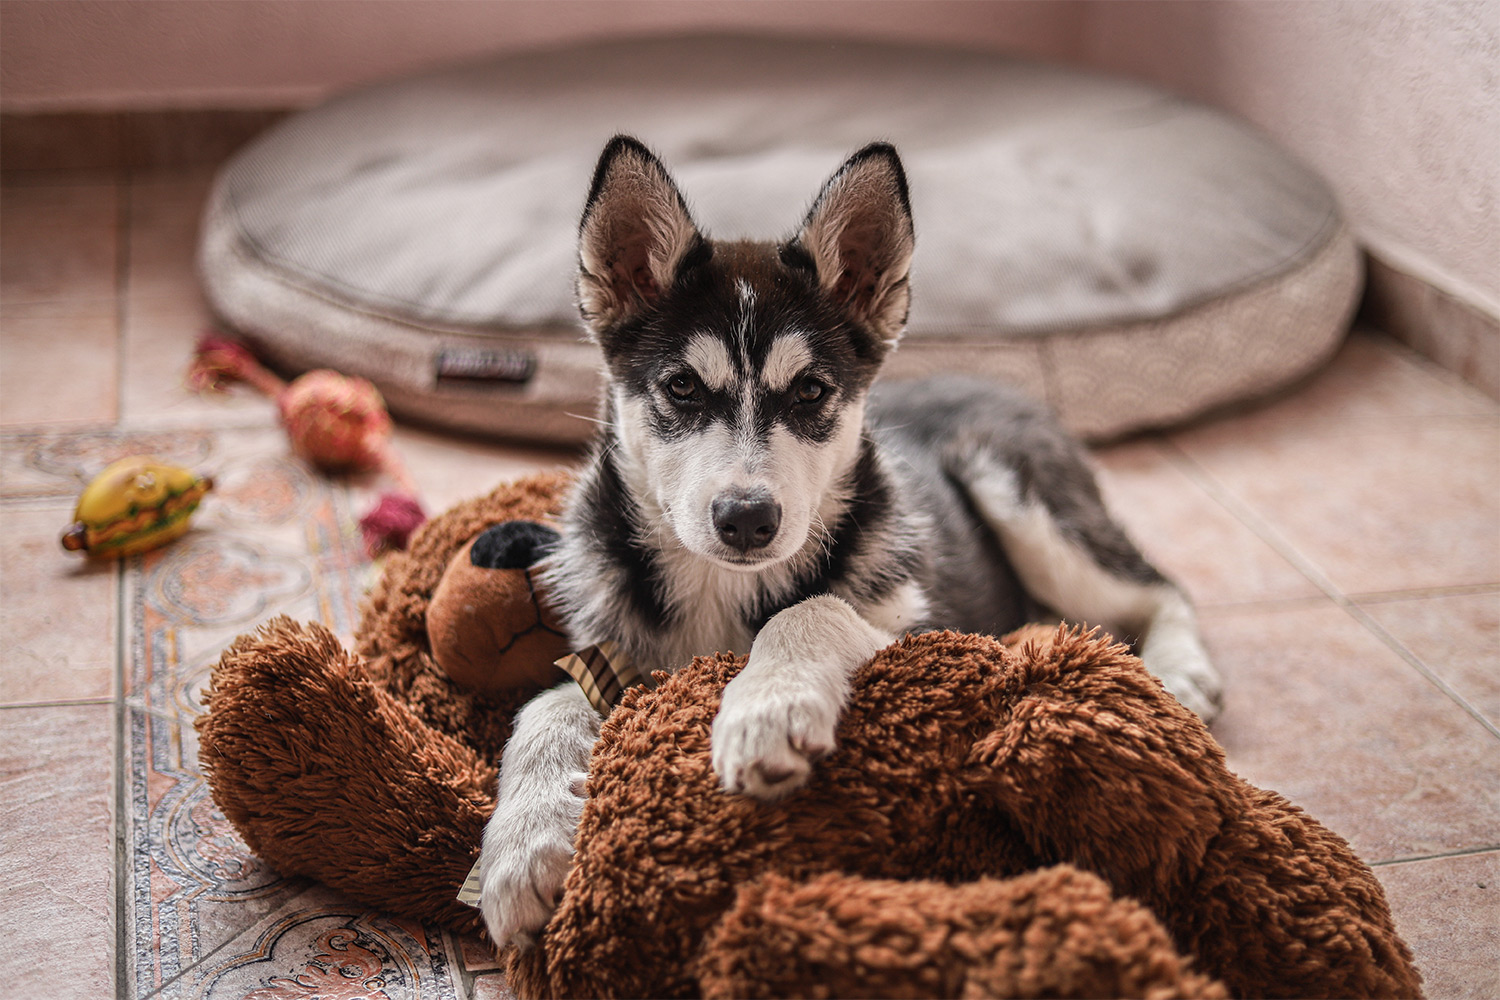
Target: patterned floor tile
{"x":58,"y":464}
{"x":319,"y":946}
{"x":206,"y":918}
{"x":451,"y":469}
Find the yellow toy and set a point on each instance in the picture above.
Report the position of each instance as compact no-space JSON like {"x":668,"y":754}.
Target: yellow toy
{"x":135,"y":504}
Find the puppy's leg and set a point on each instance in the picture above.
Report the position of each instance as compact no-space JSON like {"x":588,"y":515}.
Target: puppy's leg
{"x":1173,"y":650}
{"x":1071,"y":556}
{"x":528,"y":842}
{"x":779,"y":714}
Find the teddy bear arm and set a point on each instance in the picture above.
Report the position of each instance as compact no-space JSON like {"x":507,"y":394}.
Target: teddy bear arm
{"x":294,"y":725}
{"x":1052,"y":932}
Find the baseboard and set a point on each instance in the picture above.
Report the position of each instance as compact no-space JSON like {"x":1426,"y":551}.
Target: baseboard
{"x":127,"y":140}
{"x":1450,"y":331}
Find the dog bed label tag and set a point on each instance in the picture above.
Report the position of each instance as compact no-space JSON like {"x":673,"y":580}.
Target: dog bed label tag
{"x":604,"y":672}
{"x":476,"y":368}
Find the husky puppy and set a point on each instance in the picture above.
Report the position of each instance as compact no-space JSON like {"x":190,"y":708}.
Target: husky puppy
{"x":749,"y":491}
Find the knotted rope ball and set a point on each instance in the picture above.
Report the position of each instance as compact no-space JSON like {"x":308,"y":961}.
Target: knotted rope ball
{"x":337,"y":422}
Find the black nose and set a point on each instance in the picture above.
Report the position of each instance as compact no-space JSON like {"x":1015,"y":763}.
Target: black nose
{"x":746,"y":522}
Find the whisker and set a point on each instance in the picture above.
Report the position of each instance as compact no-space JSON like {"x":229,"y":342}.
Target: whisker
{"x":592,"y":420}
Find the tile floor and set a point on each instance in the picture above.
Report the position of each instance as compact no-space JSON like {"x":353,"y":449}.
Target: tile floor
{"x":1343,"y":544}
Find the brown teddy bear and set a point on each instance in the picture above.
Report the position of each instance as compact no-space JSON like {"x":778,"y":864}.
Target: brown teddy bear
{"x":1035,"y":817}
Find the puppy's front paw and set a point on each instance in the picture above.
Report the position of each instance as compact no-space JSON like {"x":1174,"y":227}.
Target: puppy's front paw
{"x":766,"y":738}
{"x":524,"y":862}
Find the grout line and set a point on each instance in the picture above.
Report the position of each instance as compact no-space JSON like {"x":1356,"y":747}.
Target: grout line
{"x":1392,"y":596}
{"x":1263,"y":530}
{"x":1413,"y":359}
{"x":63,"y":503}
{"x":202,"y":960}
{"x":124,"y":219}
{"x":102,"y":701}
{"x":123,"y":986}
{"x":1259,"y":604}
{"x":122,"y":812}
{"x":1362,"y":616}
{"x":296,"y":893}
{"x":1463,"y":852}
{"x":1247,"y":516}
{"x":12,"y":433}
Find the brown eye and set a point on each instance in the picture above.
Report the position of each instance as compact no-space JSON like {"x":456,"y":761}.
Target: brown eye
{"x":683,"y":388}
{"x":810,"y":390}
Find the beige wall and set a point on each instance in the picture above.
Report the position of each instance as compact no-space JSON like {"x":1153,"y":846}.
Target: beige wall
{"x":258,"y":53}
{"x":1396,"y":101}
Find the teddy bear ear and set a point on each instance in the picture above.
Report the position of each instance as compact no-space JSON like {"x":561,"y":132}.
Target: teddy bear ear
{"x":513,"y":545}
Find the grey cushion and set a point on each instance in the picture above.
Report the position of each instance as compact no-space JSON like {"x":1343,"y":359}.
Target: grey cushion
{"x":1130,"y":256}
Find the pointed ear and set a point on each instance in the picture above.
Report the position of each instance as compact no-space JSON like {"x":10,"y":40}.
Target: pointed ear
{"x":859,"y":235}
{"x":635,"y":232}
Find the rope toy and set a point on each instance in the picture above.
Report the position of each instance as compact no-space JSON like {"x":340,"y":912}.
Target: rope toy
{"x":336,"y":422}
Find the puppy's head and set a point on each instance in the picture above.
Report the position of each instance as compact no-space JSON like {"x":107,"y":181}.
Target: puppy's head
{"x":738,"y":371}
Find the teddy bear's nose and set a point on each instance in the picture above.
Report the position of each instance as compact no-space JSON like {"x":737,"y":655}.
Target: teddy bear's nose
{"x":513,"y":545}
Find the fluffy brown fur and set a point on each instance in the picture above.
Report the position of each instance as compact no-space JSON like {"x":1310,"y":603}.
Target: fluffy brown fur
{"x":1053,"y":932}
{"x":373,"y":772}
{"x":1034,"y":820}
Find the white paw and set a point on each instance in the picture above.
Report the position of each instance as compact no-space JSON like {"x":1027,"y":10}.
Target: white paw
{"x":528,"y":848}
{"x":1186,"y":672}
{"x":766,"y":738}
{"x":1207,"y":703}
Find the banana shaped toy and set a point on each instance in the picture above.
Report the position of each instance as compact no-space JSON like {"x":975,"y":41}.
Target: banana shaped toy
{"x":135,"y":504}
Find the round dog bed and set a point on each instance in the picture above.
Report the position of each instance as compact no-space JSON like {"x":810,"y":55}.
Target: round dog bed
{"x":1133,"y":258}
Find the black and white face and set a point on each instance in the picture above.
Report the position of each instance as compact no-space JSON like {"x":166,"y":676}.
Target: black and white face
{"x":739,"y":370}
{"x":740,"y":407}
